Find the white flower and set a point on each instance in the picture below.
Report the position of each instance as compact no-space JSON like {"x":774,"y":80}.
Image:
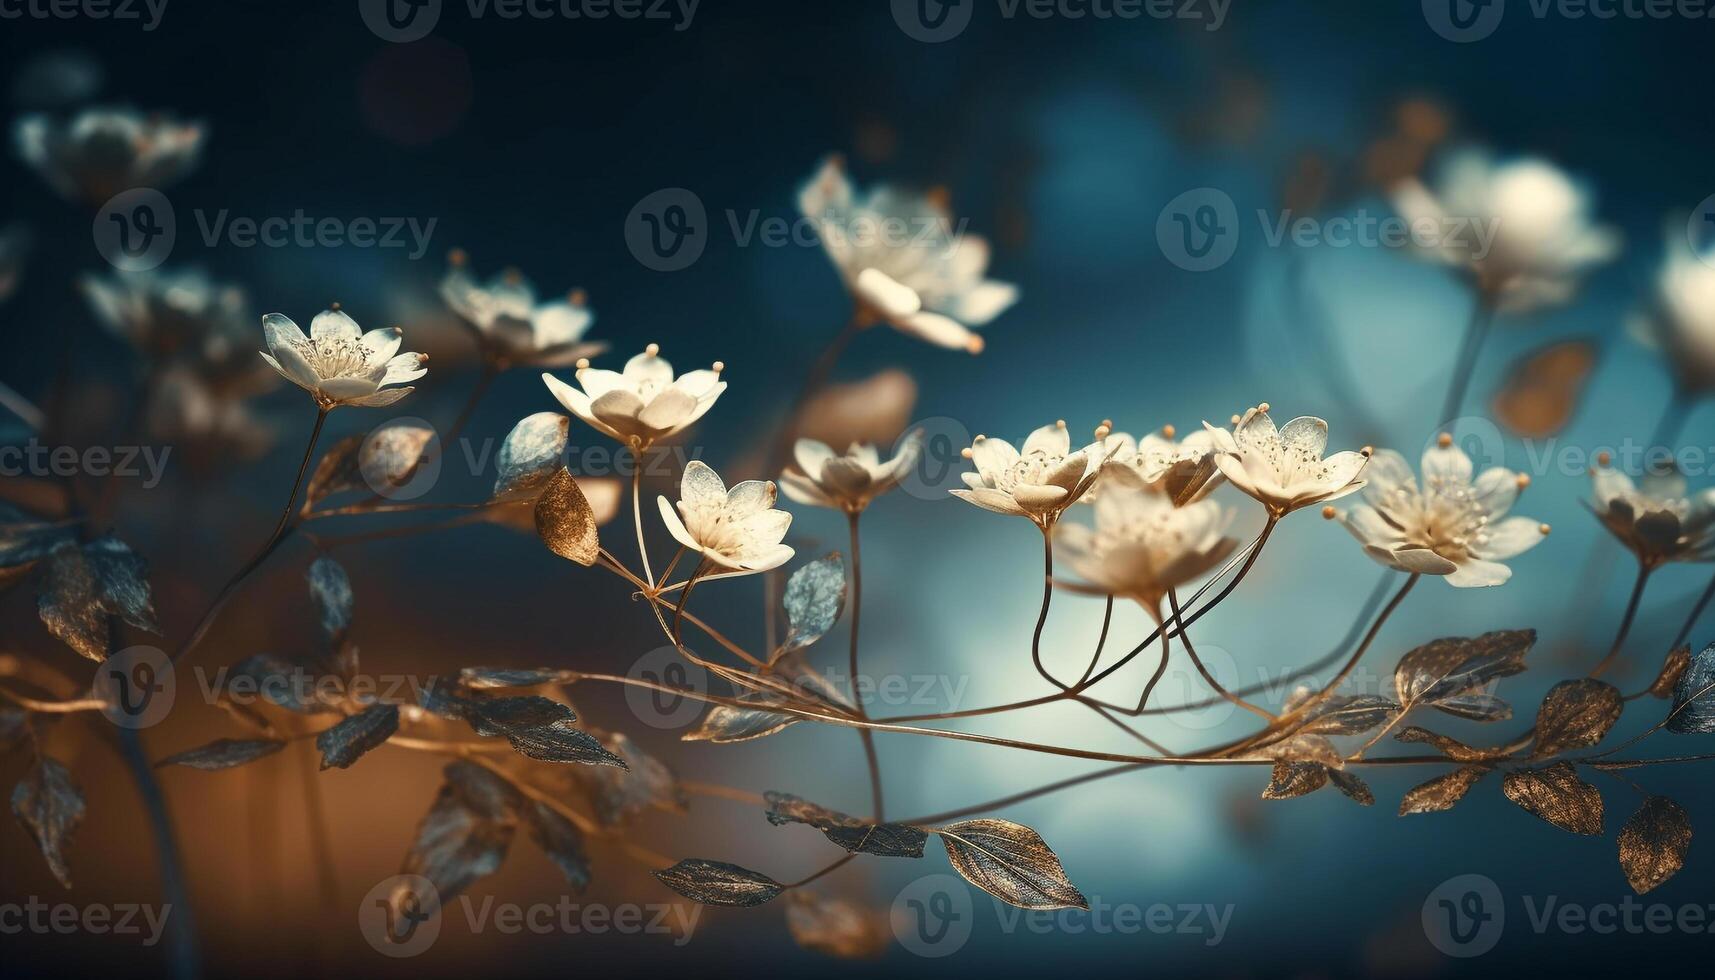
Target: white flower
{"x":1681,"y":316}
{"x":847,"y":482}
{"x":1039,"y":483}
{"x":1451,"y":525}
{"x":1522,"y":227}
{"x":1142,"y":545}
{"x":181,"y":314}
{"x":102,"y":152}
{"x":904,"y":261}
{"x":1183,"y":470}
{"x":1283,"y":468}
{"x":1659,"y":522}
{"x":737,"y":529}
{"x":645,"y":402}
{"x":212,"y":426}
{"x":340,"y":364}
{"x":507,"y":317}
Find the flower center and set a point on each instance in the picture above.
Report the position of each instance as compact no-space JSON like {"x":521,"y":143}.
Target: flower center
{"x":335,"y":357}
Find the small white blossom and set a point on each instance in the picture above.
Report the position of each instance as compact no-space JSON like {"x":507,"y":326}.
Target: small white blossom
{"x":847,"y":482}
{"x":178,"y":314}
{"x":1284,"y":468}
{"x":904,"y":261}
{"x":643,"y":403}
{"x":338,"y":363}
{"x":1452,"y":525}
{"x":1184,"y":470}
{"x":1680,"y":319}
{"x":1522,"y":227}
{"x":512,"y":325}
{"x":1038,"y":482}
{"x":738,"y":529}
{"x":102,"y":152}
{"x":1142,"y":545}
{"x":1659,"y":521}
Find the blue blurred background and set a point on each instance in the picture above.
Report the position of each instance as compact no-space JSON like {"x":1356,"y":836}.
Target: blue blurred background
{"x":1060,"y":140}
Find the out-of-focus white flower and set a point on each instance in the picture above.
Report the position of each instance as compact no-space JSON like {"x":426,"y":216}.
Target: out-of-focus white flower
{"x":1452,"y":525}
{"x":847,"y":482}
{"x":212,"y":427}
{"x":1142,"y":545}
{"x":1659,"y":521}
{"x":904,"y":261}
{"x":737,"y":529}
{"x":102,"y":152}
{"x":1522,"y":227}
{"x":1183,"y":470}
{"x":1680,"y":319}
{"x":1284,"y":468}
{"x":643,"y":403}
{"x":1038,"y":482}
{"x":338,"y":363}
{"x":512,"y":326}
{"x":175,"y":313}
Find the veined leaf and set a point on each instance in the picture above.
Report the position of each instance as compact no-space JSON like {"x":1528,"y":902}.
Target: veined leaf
{"x":336,"y":471}
{"x":1476,"y":706}
{"x":1452,"y":748}
{"x":1010,"y":862}
{"x":560,"y":742}
{"x":224,"y":753}
{"x":466,"y":833}
{"x":1290,"y":779}
{"x":560,"y":839}
{"x":67,"y":602}
{"x":1694,"y":696}
{"x":815,"y":596}
{"x":49,"y":806}
{"x":618,"y":794}
{"x":1451,"y":666}
{"x":719,"y":883}
{"x":1672,"y":669}
{"x":121,"y":582}
{"x":1442,"y":792}
{"x":1350,"y":715}
{"x":1355,"y":789}
{"x":1576,"y":714}
{"x":355,"y":735}
{"x":1653,"y":843}
{"x":565,"y":521}
{"x":857,"y":836}
{"x":480,"y":678}
{"x":532,"y":453}
{"x":724,"y":724}
{"x":1557,"y":795}
{"x":330,"y":587}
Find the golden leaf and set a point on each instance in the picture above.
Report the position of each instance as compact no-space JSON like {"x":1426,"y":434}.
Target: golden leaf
{"x":1442,"y":792}
{"x":1557,"y":795}
{"x":1671,"y":670}
{"x":1653,"y":843}
{"x":1576,"y":714}
{"x":1542,"y":390}
{"x":1291,"y":779}
{"x":565,"y":521}
{"x":1354,"y":788}
{"x":1011,"y":862}
{"x":1452,"y":748}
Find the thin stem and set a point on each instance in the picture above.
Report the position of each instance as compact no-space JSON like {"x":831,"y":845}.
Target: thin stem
{"x":1644,"y":570}
{"x":1208,"y":678}
{"x":281,"y":528}
{"x":1047,"y":598}
{"x":827,"y":870}
{"x":637,"y":509}
{"x":1101,"y":641}
{"x":871,"y":759}
{"x":1696,"y":611}
{"x":1476,"y":332}
{"x":1160,"y":671}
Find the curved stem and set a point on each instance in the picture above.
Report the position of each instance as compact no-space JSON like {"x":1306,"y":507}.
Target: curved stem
{"x":1691,"y":620}
{"x":1482,"y":318}
{"x":1644,"y":570}
{"x":827,"y":870}
{"x":1101,"y":641}
{"x":1208,"y":678}
{"x":871,"y":759}
{"x":637,"y":510}
{"x":1047,"y":597}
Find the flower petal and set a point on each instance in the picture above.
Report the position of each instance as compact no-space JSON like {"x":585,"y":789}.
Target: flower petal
{"x":701,"y":486}
{"x":1474,"y":573}
{"x":335,"y":325}
{"x":1510,"y":537}
{"x":1306,"y":434}
{"x":1051,"y":440}
{"x":280,"y":331}
{"x":675,"y":526}
{"x":991,"y":500}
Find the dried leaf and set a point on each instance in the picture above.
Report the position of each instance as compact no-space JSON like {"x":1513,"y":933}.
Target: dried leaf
{"x":1475,"y":706}
{"x":481,"y":678}
{"x":1653,"y":843}
{"x":533,"y":451}
{"x":856,"y":836}
{"x":560,"y":742}
{"x":565,"y":521}
{"x":724,"y":724}
{"x":1672,"y":669}
{"x":330,"y":586}
{"x":1308,"y":748}
{"x":121,"y":582}
{"x":617,"y":794}
{"x":1542,"y":389}
{"x":390,"y":455}
{"x":719,"y":883}
{"x":1354,"y":788}
{"x":1576,"y":715}
{"x":49,"y":806}
{"x":1442,"y":792}
{"x":224,"y":753}
{"x":1452,"y":748}
{"x":336,"y":471}
{"x":1694,"y":696}
{"x":503,"y":716}
{"x":1290,"y":779}
{"x":560,"y":839}
{"x":1557,"y":795}
{"x":355,"y":735}
{"x":466,"y":833}
{"x":815,"y":596}
{"x":1349,"y":715}
{"x":67,"y":603}
{"x":1448,"y":667}
{"x":836,"y":927}
{"x":1010,"y":862}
